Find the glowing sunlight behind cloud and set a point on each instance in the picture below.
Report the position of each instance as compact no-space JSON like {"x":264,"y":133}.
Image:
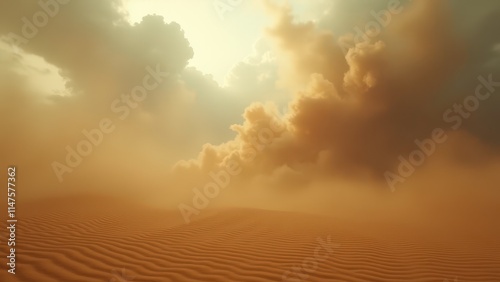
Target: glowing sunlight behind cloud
{"x":219,"y":44}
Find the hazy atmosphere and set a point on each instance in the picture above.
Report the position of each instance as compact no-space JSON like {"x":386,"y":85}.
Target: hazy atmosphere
{"x":232,"y":140}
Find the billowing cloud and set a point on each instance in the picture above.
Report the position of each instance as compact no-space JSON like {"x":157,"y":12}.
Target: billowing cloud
{"x":101,"y":60}
{"x":359,"y":114}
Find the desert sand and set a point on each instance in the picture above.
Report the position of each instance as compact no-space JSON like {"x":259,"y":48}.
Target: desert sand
{"x":87,"y":239}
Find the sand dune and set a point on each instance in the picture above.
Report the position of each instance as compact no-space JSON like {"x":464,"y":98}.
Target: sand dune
{"x":104,"y":240}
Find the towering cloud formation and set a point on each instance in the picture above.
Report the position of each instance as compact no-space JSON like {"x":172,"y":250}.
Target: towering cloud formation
{"x":358,"y":115}
{"x":363,"y":109}
{"x":101,"y":58}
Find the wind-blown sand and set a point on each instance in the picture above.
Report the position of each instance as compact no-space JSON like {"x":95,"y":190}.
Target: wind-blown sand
{"x":85,"y":239}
